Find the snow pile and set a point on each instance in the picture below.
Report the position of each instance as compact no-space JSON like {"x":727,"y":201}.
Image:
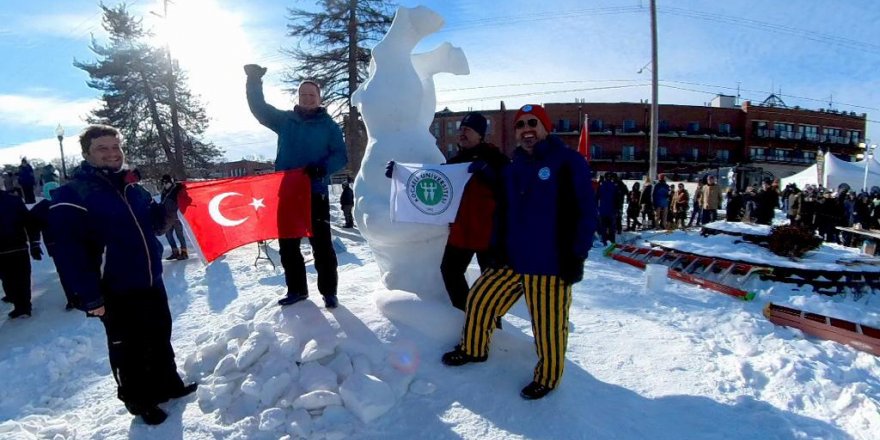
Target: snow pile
{"x":289,"y":371}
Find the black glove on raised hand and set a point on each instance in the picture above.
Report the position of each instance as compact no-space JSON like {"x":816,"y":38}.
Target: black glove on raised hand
{"x":572,"y":269}
{"x":254,"y":70}
{"x":316,"y":171}
{"x":389,"y":169}
{"x":36,"y":252}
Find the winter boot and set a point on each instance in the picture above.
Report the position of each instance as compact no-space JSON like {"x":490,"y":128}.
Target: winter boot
{"x":534,"y":391}
{"x":458,"y":357}
{"x":183,"y":254}
{"x":18,"y":313}
{"x":175,"y":255}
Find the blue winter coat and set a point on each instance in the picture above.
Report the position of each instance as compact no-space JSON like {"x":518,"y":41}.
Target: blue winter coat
{"x":660,"y":196}
{"x":104,"y":236}
{"x":303,"y":139}
{"x":550,"y":208}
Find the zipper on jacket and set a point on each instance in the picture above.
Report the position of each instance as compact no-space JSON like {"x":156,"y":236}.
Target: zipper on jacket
{"x":143,"y":237}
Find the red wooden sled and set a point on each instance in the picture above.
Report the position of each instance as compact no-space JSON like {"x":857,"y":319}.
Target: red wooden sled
{"x":859,"y":336}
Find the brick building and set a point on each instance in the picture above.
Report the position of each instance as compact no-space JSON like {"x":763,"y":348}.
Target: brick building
{"x":769,"y":135}
{"x":240,"y":168}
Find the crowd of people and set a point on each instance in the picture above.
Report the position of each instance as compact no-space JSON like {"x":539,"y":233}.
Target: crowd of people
{"x":530,"y":220}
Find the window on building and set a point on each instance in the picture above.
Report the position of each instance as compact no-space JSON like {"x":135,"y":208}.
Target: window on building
{"x":784,"y":130}
{"x":435,"y":129}
{"x":628,"y":152}
{"x":760,"y":129}
{"x":661,"y":152}
{"x":833,"y":135}
{"x":693,"y":127}
{"x":855,"y":137}
{"x":451,"y":149}
{"x":695,"y":154}
{"x":595,"y":151}
{"x":451,"y":128}
{"x":724,"y":129}
{"x":756,"y":153}
{"x":563,"y":125}
{"x":722,"y":155}
{"x":779,"y":154}
{"x":629,"y":126}
{"x":597,"y":125}
{"x":809,"y":156}
{"x":809,"y":132}
{"x":664,"y":127}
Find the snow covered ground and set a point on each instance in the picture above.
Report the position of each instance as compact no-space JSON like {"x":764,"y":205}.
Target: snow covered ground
{"x":684,"y":363}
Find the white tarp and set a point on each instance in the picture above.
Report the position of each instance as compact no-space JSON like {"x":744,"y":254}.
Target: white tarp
{"x":838,"y":171}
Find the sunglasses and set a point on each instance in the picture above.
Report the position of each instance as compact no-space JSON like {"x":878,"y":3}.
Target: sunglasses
{"x":522,"y":123}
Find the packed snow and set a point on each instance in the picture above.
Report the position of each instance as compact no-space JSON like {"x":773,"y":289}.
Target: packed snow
{"x":681,"y":363}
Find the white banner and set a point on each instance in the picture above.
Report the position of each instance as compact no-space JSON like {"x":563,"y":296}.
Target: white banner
{"x":427,"y":193}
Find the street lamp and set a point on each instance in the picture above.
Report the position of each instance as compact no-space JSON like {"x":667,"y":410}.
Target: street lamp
{"x":869,"y":154}
{"x":59,"y":131}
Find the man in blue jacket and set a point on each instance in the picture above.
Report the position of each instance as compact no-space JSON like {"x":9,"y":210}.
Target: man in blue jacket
{"x":546,"y":227}
{"x":660,"y":198}
{"x":107,"y":253}
{"x":307,"y":138}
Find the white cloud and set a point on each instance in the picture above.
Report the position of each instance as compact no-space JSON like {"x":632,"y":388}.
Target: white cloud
{"x":44,"y":110}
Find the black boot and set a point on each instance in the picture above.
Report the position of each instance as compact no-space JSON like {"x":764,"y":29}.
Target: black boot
{"x":458,"y":357}
{"x":184,"y":254}
{"x":151,"y":414}
{"x":534,"y":391}
{"x":18,"y":313}
{"x":175,"y":255}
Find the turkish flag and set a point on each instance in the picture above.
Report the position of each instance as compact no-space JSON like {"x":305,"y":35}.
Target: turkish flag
{"x":584,"y":141}
{"x":224,"y":214}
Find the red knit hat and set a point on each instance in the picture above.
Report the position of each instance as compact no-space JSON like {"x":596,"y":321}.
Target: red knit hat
{"x":538,"y":112}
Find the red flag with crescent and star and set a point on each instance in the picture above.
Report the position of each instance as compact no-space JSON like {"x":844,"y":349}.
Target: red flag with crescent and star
{"x":224,"y":214}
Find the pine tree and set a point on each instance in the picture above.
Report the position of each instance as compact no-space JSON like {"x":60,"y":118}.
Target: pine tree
{"x":332,"y":49}
{"x":133,"y":77}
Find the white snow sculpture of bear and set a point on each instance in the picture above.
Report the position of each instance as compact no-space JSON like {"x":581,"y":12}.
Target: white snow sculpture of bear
{"x":397,"y":103}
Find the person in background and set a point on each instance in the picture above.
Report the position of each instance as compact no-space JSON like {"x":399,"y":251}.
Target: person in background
{"x":767,"y":200}
{"x":19,"y":242}
{"x":107,"y":253}
{"x":734,"y":208}
{"x":346,"y":202}
{"x":647,"y":204}
{"x":660,"y":197}
{"x":680,"y":202}
{"x":710,"y":200}
{"x":697,"y":213}
{"x":40,"y":213}
{"x":8,"y":184}
{"x":48,"y":175}
{"x":794,"y":204}
{"x":168,"y":199}
{"x":633,"y":207}
{"x":308,"y":138}
{"x":607,"y":199}
{"x":546,"y":227}
{"x":27,"y":181}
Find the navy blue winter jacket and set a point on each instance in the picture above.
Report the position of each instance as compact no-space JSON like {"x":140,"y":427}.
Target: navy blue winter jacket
{"x":18,"y":230}
{"x":660,"y":195}
{"x":550,"y":208}
{"x":104,"y":236}
{"x":304,"y":138}
{"x":608,"y":195}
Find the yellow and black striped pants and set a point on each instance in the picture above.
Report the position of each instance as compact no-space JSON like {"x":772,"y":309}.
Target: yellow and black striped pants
{"x":548,"y":299}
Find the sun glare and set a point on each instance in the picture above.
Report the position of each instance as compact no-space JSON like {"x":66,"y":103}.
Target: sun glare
{"x":210,"y":43}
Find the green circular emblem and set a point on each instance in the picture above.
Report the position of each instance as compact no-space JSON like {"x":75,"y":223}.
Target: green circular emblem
{"x":430,"y":191}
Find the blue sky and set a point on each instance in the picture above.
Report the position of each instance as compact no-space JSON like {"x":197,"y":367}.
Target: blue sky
{"x":814,"y":52}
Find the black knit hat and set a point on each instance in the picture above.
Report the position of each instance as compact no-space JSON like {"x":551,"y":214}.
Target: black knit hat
{"x":166,"y":178}
{"x":476,"y":122}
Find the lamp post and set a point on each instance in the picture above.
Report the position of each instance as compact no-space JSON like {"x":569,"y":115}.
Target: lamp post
{"x":59,"y":131}
{"x":869,"y":154}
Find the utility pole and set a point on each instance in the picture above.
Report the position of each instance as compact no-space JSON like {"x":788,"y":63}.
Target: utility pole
{"x":652,"y":164}
{"x":177,"y":167}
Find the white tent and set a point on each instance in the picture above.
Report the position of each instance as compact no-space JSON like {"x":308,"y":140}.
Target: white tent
{"x":838,"y":171}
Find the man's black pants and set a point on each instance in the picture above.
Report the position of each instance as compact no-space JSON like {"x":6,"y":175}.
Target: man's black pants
{"x":138,"y":326}
{"x":15,"y":274}
{"x":453,"y":267}
{"x":322,"y":249}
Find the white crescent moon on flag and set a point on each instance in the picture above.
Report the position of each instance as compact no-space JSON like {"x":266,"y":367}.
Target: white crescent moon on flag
{"x":217,"y":216}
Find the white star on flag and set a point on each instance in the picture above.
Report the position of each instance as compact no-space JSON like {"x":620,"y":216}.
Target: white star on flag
{"x":257,"y":204}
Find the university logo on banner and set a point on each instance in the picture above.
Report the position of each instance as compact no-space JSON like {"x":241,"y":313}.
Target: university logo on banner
{"x":227,"y":213}
{"x":427,"y":193}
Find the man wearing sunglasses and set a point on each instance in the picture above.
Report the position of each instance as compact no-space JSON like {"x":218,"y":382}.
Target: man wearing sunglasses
{"x":545,"y":228}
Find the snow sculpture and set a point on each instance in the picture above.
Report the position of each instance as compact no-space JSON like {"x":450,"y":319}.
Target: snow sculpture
{"x":397,"y":103}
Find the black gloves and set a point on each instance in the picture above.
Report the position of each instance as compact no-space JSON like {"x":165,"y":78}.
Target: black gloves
{"x":36,"y":252}
{"x":316,"y":171}
{"x":571,"y":269}
{"x":389,"y":169}
{"x":254,"y":70}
